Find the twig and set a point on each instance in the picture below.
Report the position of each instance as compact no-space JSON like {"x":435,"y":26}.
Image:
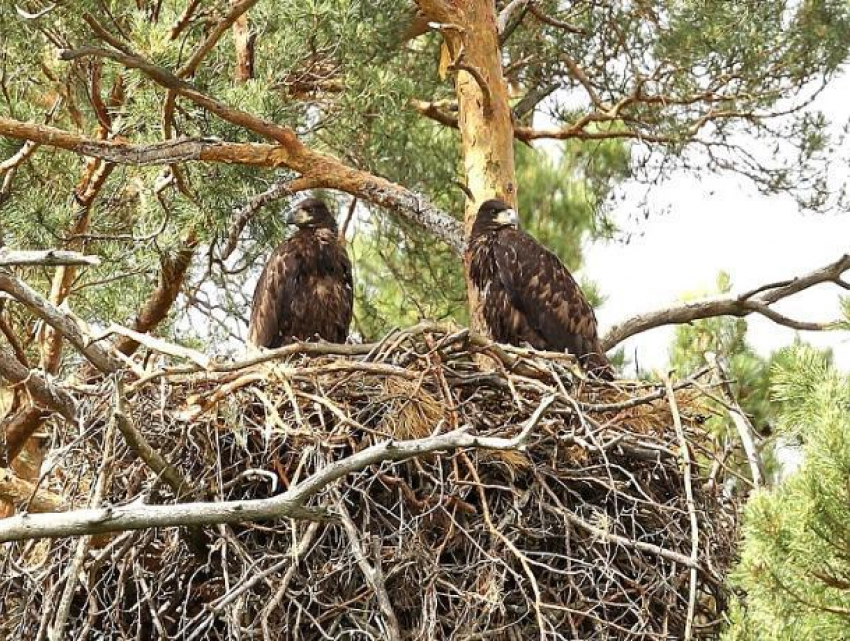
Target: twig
{"x":740,"y":420}
{"x":373,"y":575}
{"x":104,"y":477}
{"x":689,"y":499}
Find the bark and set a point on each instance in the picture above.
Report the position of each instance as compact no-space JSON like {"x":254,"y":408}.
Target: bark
{"x":243,"y":41}
{"x":324,"y":170}
{"x":484,"y":115}
{"x":171,"y":277}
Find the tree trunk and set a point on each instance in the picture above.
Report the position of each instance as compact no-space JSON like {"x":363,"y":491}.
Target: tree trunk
{"x":484,"y":115}
{"x":243,"y":40}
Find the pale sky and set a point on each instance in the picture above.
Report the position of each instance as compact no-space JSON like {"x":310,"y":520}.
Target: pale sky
{"x":715,"y":223}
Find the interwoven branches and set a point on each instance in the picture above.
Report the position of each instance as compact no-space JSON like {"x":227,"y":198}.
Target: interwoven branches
{"x":588,"y":533}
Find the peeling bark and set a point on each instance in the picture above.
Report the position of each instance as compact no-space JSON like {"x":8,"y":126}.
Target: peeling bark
{"x":484,"y":114}
{"x":243,"y":40}
{"x":171,"y":277}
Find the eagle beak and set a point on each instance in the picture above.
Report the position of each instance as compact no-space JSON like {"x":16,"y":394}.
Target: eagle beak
{"x":508,"y":217}
{"x":296,"y":216}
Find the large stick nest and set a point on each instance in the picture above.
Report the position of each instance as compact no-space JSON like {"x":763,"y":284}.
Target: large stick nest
{"x":587,"y":534}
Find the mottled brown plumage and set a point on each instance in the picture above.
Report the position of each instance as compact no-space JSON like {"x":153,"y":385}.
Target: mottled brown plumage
{"x":527,"y":294}
{"x":305,"y":289}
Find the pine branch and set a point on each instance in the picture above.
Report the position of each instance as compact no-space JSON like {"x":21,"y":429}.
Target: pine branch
{"x":757,"y":301}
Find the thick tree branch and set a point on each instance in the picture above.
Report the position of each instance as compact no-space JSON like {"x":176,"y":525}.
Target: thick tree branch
{"x":172,"y":273}
{"x":44,"y":258}
{"x":60,"y":322}
{"x":44,"y":393}
{"x":290,"y":504}
{"x":757,"y":301}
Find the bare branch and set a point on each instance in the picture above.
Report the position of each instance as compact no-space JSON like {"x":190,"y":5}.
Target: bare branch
{"x":689,"y":498}
{"x":290,"y":504}
{"x":739,"y":418}
{"x":44,"y":258}
{"x":756,"y":301}
{"x":241,"y":216}
{"x":43,"y":392}
{"x":59,"y":321}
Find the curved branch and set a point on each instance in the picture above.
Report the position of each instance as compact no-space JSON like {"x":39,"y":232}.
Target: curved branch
{"x":756,"y":301}
{"x":290,"y":504}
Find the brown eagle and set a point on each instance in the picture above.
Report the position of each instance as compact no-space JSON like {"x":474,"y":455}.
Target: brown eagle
{"x":527,"y":294}
{"x":305,"y":289}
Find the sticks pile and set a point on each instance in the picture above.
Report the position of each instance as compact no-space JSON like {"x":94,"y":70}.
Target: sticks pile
{"x":609,"y":523}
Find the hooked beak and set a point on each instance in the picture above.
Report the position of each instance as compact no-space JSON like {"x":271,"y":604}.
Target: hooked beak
{"x":508,"y":217}
{"x":296,"y":216}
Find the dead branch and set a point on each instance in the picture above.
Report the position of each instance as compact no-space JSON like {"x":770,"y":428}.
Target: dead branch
{"x":44,"y":258}
{"x":290,"y":504}
{"x":742,"y":424}
{"x":59,"y":321}
{"x":755,"y":302}
{"x":689,"y":499}
{"x":43,"y":392}
{"x":56,"y":632}
{"x":242,"y":215}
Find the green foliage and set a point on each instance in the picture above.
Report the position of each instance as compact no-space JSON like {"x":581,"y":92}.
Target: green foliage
{"x":342,"y":74}
{"x":795,"y":558}
{"x":726,"y":336}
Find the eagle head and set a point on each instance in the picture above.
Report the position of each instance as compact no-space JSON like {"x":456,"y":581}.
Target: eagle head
{"x":311,"y":213}
{"x":495,"y":214}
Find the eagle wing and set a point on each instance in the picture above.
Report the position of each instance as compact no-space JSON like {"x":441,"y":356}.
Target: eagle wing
{"x":545,"y":293}
{"x":270,"y":319}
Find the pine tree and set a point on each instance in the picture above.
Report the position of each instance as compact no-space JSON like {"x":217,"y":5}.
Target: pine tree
{"x":795,"y":560}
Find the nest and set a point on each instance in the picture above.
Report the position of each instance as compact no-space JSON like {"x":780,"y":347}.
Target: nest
{"x":601,"y":527}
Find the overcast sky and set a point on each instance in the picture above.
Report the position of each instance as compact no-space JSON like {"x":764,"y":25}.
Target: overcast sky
{"x":718,"y":223}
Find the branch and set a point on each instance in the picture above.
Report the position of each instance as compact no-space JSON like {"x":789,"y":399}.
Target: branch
{"x":242,"y":215}
{"x":44,"y":258}
{"x":20,"y":492}
{"x":290,"y":504}
{"x":757,"y":301}
{"x":44,"y":395}
{"x":162,"y":153}
{"x":739,"y":418}
{"x":171,"y":277}
{"x":59,"y":321}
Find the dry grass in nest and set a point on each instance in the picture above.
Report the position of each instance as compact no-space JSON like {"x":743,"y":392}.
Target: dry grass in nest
{"x":585,"y":535}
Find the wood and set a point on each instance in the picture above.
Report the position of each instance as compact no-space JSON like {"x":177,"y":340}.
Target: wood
{"x":289,"y":504}
{"x":20,"y":492}
{"x":757,"y":301}
{"x":59,"y":321}
{"x":45,"y":258}
{"x":484,"y":115}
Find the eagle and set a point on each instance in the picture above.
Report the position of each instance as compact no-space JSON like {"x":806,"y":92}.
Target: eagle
{"x":305,"y":289}
{"x":526,"y":293}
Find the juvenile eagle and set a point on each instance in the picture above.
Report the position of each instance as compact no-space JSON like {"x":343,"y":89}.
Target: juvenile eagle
{"x":527,"y":295}
{"x":306,"y":286}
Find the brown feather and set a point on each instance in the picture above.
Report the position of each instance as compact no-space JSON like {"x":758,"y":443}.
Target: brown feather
{"x":528,"y":296}
{"x":304,"y":291}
